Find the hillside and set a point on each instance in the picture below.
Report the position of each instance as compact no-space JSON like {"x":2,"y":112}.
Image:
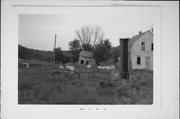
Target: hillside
{"x":28,"y":53}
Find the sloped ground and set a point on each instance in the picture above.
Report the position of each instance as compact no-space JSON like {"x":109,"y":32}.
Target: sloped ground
{"x":36,"y":87}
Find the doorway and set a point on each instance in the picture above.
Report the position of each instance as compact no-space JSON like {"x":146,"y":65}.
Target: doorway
{"x":87,"y":62}
{"x":82,"y":61}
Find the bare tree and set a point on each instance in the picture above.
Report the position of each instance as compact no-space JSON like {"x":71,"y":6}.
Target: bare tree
{"x":90,"y":35}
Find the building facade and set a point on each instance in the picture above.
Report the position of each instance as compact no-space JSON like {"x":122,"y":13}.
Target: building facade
{"x":140,"y":51}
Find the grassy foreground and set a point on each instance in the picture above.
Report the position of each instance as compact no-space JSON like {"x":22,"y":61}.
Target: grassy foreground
{"x":36,"y":87}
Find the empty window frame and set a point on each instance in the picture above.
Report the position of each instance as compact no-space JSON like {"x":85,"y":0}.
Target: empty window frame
{"x":87,"y":62}
{"x":152,"y":46}
{"x":138,"y":60}
{"x":82,"y":61}
{"x":142,"y":45}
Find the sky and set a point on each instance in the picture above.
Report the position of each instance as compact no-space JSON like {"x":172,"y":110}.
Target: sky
{"x":37,"y":31}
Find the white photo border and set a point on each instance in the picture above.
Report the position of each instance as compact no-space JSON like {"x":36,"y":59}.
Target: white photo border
{"x":10,"y":107}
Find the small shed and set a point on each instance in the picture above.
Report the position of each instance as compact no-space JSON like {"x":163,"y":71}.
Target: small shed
{"x":86,"y":58}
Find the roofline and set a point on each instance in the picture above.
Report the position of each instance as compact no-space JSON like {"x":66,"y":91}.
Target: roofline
{"x":86,"y":56}
{"x":143,"y":35}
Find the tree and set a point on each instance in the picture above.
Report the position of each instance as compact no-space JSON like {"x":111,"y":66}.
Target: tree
{"x":116,"y":53}
{"x":58,"y":55}
{"x":62,"y":56}
{"x":89,"y":36}
{"x":107,"y":44}
{"x":102,"y":51}
{"x":75,"y":49}
{"x":66,"y":57}
{"x":91,"y":39}
{"x":74,"y":45}
{"x":87,"y":47}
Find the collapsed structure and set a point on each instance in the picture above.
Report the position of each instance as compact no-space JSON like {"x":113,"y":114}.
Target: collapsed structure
{"x":86,"y":58}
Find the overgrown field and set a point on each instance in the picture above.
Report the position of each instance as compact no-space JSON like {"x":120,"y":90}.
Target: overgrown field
{"x":35,"y":86}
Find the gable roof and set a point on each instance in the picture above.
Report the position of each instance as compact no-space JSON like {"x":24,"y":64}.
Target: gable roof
{"x":86,"y":54}
{"x":137,"y":37}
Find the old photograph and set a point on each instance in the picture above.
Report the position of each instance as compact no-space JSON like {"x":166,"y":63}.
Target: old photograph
{"x":85,"y":58}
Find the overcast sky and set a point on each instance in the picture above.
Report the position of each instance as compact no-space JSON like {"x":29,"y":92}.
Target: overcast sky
{"x":38,"y":30}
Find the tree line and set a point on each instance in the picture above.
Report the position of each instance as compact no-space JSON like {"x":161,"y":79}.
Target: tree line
{"x":87,"y":38}
{"x":28,"y":53}
{"x":92,"y":39}
{"x":50,"y":56}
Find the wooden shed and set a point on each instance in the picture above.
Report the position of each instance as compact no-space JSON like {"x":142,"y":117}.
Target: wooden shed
{"x":86,"y":58}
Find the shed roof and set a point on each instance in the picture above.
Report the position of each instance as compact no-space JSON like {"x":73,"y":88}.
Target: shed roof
{"x":86,"y":54}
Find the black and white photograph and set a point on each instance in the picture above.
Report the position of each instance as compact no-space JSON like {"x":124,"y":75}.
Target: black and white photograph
{"x":85,"y":58}
{"x":94,"y":59}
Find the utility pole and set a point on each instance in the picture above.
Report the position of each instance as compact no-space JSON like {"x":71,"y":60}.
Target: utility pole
{"x":54,"y":49}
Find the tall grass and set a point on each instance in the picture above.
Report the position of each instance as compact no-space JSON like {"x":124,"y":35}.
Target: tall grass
{"x":36,"y":87}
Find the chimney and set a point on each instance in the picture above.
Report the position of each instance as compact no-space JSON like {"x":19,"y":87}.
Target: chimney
{"x":152,"y":30}
{"x":124,"y":58}
{"x":140,"y":32}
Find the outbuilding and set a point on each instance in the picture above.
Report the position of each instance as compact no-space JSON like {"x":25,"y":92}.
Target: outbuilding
{"x":86,"y":58}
